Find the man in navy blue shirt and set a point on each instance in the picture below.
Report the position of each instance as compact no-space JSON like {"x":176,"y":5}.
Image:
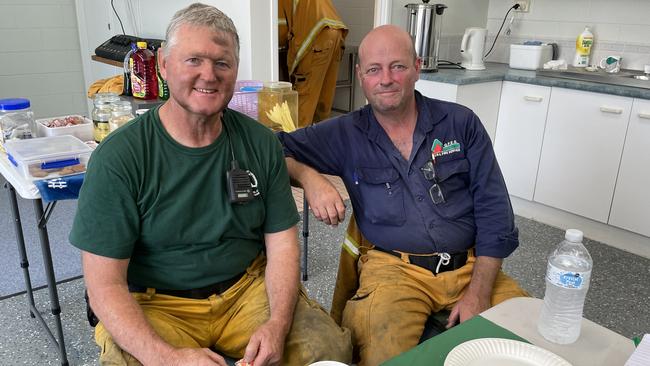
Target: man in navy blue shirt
{"x":428,"y":197}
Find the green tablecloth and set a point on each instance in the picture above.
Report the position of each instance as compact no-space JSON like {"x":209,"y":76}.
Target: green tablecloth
{"x":434,"y":351}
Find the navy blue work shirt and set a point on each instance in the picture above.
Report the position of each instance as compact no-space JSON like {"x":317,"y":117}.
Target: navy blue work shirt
{"x":390,"y":196}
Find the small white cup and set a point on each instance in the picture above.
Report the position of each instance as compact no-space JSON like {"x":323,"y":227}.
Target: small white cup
{"x":328,"y":363}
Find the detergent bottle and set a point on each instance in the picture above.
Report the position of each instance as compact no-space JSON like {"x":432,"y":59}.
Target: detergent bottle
{"x":583,"y":48}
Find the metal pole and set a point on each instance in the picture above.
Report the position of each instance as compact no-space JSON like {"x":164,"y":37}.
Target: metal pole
{"x":51,"y":282}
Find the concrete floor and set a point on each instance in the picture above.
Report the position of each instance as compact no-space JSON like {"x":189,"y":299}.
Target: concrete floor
{"x":618,"y":298}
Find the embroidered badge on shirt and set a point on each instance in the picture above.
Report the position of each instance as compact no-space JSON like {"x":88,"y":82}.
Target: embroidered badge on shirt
{"x":440,"y":149}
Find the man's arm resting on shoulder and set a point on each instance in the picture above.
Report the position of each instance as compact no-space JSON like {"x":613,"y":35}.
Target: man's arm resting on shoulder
{"x":282,"y":280}
{"x":124,"y":320}
{"x":476,"y":298}
{"x":325,"y":200}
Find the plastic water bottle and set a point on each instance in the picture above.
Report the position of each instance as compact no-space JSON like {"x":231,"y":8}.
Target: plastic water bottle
{"x":567,"y":281}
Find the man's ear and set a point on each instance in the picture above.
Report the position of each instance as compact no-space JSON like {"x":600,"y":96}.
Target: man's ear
{"x":418,"y":64}
{"x":162,"y":63}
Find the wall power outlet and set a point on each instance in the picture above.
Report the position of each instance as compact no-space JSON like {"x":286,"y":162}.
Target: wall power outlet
{"x":524,"y":6}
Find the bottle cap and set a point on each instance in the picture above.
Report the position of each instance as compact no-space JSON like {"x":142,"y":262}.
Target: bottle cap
{"x":573,"y":235}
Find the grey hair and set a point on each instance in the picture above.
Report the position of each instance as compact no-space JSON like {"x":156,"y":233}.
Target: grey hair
{"x":198,"y":14}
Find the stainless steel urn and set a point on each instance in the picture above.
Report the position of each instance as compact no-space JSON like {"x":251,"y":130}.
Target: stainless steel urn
{"x":424,"y":24}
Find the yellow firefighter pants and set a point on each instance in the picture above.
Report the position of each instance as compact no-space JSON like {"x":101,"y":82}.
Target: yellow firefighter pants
{"x":316,"y":74}
{"x":225,"y":323}
{"x":388,"y":312}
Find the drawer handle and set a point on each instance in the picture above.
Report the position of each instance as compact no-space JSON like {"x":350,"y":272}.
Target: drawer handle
{"x":611,"y":110}
{"x":644,"y":115}
{"x":532,"y":99}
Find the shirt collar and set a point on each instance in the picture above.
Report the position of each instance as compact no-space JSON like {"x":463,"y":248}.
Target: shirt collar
{"x":428,"y":116}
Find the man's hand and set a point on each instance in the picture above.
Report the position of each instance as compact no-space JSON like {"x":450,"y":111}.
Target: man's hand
{"x":195,"y":357}
{"x":468,"y":306}
{"x":265,"y":346}
{"x":478,"y":295}
{"x":325,"y":200}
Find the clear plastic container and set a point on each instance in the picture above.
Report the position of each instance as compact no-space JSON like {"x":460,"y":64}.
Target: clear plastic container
{"x":16,"y":119}
{"x":48,"y":157}
{"x":273,"y":95}
{"x":101,"y":114}
{"x":75,"y":125}
{"x":121,"y":113}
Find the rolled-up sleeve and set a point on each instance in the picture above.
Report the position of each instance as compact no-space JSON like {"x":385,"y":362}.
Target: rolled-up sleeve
{"x":321,"y":146}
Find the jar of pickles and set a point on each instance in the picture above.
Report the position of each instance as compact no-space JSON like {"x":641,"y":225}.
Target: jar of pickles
{"x":278,"y":106}
{"x":101,"y":114}
{"x":120,"y":115}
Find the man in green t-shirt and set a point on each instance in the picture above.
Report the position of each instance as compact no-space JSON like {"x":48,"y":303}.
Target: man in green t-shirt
{"x":177,"y":263}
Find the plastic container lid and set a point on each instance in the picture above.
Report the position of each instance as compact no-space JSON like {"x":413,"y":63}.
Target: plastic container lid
{"x":46,"y":148}
{"x":14,"y":104}
{"x":277,"y":85}
{"x":573,"y":235}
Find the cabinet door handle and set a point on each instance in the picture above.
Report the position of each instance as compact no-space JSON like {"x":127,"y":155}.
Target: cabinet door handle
{"x":531,"y":98}
{"x":611,"y":110}
{"x":644,"y":115}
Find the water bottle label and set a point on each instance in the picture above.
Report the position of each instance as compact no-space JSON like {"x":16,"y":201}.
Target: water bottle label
{"x":567,"y":279}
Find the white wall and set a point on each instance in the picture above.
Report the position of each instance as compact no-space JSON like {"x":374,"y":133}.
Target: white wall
{"x":620,"y":27}
{"x":39,"y":56}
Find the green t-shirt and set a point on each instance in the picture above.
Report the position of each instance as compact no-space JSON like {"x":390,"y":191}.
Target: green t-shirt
{"x":165,"y":206}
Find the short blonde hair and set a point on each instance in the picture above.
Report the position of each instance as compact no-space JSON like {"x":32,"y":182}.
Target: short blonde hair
{"x":198,"y":14}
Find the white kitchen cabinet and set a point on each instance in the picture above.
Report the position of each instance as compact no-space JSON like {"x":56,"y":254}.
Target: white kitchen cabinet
{"x":581,"y":151}
{"x":631,"y":204}
{"x":482,"y":98}
{"x":519,"y":133}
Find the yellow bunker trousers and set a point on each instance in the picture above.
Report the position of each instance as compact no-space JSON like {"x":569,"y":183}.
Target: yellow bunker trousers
{"x":225,"y":323}
{"x":393,"y":300}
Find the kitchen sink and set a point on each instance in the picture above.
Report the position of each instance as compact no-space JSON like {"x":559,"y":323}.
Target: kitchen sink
{"x":633,"y":78}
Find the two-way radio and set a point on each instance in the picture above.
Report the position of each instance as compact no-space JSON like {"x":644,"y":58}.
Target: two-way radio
{"x":242,"y":184}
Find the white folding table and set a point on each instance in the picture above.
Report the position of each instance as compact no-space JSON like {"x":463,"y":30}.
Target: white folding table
{"x":26,"y":189}
{"x":596,"y":345}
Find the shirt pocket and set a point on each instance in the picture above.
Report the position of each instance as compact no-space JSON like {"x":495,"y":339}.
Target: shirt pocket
{"x":382,"y":195}
{"x":453,"y":179}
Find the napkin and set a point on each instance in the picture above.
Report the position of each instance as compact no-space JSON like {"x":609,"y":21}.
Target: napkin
{"x":641,"y":356}
{"x":555,"y":65}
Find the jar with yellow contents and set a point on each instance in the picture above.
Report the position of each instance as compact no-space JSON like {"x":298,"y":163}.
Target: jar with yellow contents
{"x":101,"y":113}
{"x":278,"y":106}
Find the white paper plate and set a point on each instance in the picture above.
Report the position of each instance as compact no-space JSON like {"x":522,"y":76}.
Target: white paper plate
{"x":501,"y":352}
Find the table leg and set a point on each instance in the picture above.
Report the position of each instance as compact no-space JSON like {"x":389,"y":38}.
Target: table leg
{"x":305,"y":236}
{"x":20,"y":241}
{"x":51,"y":282}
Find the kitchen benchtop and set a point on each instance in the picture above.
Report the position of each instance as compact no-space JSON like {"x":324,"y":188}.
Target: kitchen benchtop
{"x":500,"y":72}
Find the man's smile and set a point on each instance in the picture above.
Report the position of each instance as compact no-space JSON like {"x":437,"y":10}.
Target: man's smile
{"x":206,"y":91}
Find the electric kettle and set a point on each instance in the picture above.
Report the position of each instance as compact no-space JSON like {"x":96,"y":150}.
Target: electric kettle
{"x":471,"y":48}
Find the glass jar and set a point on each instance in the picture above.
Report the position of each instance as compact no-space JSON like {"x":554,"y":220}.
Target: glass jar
{"x":120,"y":114}
{"x":272,"y":97}
{"x":16,"y":119}
{"x":101,"y":114}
